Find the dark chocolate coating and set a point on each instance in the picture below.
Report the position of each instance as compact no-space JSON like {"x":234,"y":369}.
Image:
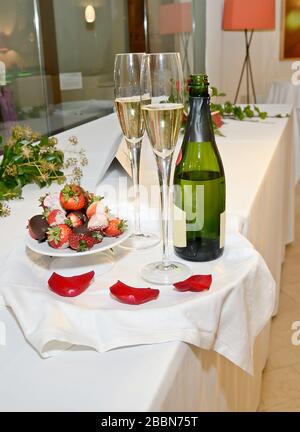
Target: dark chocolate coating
{"x":39,"y":227}
{"x":83,"y":229}
{"x":79,"y":214}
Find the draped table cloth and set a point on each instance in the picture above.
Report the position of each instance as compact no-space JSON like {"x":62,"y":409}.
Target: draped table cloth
{"x":240,"y":281}
{"x":168,"y":376}
{"x":285,"y":92}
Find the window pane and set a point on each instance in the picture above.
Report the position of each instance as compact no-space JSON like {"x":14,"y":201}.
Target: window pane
{"x":22,"y":95}
{"x":170,"y":29}
{"x":56,"y":68}
{"x":85,"y":58}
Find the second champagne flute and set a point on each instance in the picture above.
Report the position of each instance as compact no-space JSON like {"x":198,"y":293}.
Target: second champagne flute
{"x":162,"y":82}
{"x":128,"y":105}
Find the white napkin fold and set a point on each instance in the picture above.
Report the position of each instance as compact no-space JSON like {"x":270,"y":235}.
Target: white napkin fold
{"x":227,"y":318}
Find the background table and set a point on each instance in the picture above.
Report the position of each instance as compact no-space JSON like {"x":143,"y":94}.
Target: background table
{"x":258,"y":160}
{"x":171,"y":376}
{"x":284,"y":92}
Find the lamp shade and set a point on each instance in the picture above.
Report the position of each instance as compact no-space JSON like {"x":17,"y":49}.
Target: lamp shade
{"x":249,"y":15}
{"x":175,"y":18}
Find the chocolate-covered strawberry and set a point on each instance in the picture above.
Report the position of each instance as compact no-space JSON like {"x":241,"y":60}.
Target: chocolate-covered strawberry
{"x":83,"y":229}
{"x":98,"y":222}
{"x":37,"y":227}
{"x":80,"y":242}
{"x":96,"y":236}
{"x":50,"y":201}
{"x":76,"y":218}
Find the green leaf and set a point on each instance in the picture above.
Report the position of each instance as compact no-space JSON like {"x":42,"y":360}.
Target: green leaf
{"x":43,"y":142}
{"x":8,"y":193}
{"x":215,"y":92}
{"x":263,"y":115}
{"x":248,"y":112}
{"x":228,"y":107}
{"x":238,"y":112}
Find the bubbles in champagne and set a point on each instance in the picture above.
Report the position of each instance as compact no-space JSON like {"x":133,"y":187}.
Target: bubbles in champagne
{"x":130,"y":117}
{"x":163,"y":122}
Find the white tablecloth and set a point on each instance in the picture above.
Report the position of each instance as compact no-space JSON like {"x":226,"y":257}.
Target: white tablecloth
{"x":170,"y":376}
{"x":258,"y":160}
{"x":284,"y":92}
{"x":241,"y":282}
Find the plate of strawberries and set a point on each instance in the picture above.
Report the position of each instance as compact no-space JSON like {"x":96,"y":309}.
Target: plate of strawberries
{"x":74,"y":222}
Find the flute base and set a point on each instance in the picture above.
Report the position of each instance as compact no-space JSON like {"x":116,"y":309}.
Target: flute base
{"x":161,"y":274}
{"x":140,"y":241}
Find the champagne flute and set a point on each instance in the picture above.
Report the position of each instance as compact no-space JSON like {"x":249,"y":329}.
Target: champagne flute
{"x":162,"y":81}
{"x":128,"y":106}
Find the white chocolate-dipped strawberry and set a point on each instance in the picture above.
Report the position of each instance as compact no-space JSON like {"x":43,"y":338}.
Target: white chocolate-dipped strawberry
{"x":56,"y":217}
{"x":101,"y":208}
{"x":98,"y":222}
{"x":96,"y":207}
{"x":52,"y":202}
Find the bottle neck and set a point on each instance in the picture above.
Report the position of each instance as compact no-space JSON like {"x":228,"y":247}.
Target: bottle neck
{"x":199,"y":124}
{"x":198,"y":91}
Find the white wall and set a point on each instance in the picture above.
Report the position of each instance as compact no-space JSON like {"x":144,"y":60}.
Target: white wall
{"x":214,"y":45}
{"x":226,"y":50}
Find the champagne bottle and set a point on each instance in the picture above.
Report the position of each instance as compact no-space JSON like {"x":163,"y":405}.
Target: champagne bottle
{"x":199,"y":183}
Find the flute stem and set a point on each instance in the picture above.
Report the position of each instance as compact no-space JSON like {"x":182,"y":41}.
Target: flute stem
{"x":135,"y":156}
{"x":164,"y":171}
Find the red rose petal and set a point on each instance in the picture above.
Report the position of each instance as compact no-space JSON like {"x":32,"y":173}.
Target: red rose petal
{"x":217,"y":119}
{"x":195,"y":283}
{"x":133,"y":296}
{"x":70,"y":286}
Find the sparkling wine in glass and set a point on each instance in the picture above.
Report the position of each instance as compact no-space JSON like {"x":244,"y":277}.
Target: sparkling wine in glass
{"x":128,"y":104}
{"x":162,"y":82}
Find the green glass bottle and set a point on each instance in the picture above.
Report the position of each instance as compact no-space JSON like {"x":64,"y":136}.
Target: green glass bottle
{"x":199,"y":183}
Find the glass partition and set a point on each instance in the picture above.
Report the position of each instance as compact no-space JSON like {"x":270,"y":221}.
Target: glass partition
{"x":22,"y":90}
{"x":57,"y":56}
{"x":170,"y":29}
{"x":56,"y":61}
{"x":87,"y":42}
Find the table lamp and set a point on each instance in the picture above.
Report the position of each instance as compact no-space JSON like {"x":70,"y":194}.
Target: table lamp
{"x":247,"y":16}
{"x":177,"y":19}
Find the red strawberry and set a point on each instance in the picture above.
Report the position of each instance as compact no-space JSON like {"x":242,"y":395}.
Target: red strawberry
{"x":115,"y":227}
{"x":72,"y":197}
{"x":96,"y":236}
{"x":58,"y":236}
{"x":81,"y":242}
{"x":76,"y":219}
{"x":55,"y":217}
